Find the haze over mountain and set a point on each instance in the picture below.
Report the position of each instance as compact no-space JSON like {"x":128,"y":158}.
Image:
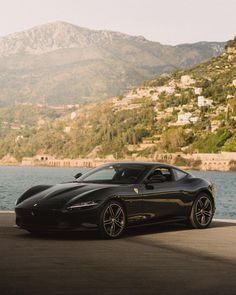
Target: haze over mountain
{"x":62,"y":63}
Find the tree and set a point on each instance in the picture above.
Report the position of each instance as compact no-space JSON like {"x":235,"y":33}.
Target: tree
{"x":173,"y":139}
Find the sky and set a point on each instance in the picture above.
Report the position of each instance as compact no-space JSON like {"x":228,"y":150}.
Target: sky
{"x":166,"y":21}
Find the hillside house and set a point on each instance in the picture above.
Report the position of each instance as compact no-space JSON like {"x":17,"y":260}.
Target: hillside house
{"x":73,"y":115}
{"x":173,"y":83}
{"x":184,"y":118}
{"x":194,"y":119}
{"x":203,"y":102}
{"x":169,"y":110}
{"x":154,"y":97}
{"x":167,"y":89}
{"x":215,"y":125}
{"x":43,"y":157}
{"x":67,"y":129}
{"x":231,"y":50}
{"x":160,"y":115}
{"x":186,"y":80}
{"x":221,"y":109}
{"x":142,"y":92}
{"x":197,"y":90}
{"x":19,"y":138}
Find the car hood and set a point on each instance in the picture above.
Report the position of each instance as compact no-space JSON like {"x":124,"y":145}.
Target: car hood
{"x":62,"y":195}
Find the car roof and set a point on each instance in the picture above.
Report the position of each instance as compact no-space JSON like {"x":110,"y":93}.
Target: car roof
{"x":147,"y":164}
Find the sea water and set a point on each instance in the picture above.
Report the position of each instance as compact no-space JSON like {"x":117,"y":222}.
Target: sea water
{"x":15,"y":180}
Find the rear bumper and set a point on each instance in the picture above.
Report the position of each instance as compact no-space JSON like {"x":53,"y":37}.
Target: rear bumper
{"x":56,"y":220}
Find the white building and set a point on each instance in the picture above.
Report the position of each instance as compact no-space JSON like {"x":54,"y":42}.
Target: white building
{"x":67,"y":129}
{"x":184,"y":118}
{"x":167,"y":89}
{"x":208,"y":102}
{"x":18,"y":138}
{"x":169,"y":110}
{"x":73,"y":115}
{"x":197,"y":90}
{"x":194,"y":119}
{"x":215,"y":125}
{"x":186,"y":80}
{"x":154,"y":97}
{"x":203,"y":102}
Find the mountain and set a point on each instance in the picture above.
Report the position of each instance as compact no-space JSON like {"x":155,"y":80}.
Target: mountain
{"x":187,"y":111}
{"x":60,"y":63}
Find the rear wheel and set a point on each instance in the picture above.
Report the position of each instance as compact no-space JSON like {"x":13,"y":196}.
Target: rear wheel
{"x":112,"y":220}
{"x":202,"y":212}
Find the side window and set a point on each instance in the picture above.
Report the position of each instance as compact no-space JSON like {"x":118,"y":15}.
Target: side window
{"x":160,"y":174}
{"x":106,"y":173}
{"x":179,"y":174}
{"x":167,"y":173}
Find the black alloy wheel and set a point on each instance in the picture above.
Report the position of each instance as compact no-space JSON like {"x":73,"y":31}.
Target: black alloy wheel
{"x":202,"y":212}
{"x":112,"y":220}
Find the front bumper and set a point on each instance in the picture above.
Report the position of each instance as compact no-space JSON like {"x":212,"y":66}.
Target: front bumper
{"x":32,"y":219}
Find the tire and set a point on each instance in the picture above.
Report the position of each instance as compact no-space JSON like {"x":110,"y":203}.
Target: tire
{"x":202,"y":212}
{"x":112,"y":220}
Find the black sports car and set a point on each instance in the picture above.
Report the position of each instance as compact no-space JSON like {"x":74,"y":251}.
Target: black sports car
{"x":117,"y":195}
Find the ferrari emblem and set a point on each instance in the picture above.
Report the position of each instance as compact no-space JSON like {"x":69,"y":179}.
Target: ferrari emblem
{"x":136,"y":190}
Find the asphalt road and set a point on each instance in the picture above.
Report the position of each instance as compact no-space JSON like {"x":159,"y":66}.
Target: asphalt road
{"x":159,"y":260}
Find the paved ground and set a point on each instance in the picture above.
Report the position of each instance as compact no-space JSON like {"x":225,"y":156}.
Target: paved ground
{"x":153,"y":260}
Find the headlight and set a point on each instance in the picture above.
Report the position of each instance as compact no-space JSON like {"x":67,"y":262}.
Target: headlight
{"x":83,"y":204}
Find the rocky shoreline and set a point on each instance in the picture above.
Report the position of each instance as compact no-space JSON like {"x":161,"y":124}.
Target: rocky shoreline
{"x":207,"y":162}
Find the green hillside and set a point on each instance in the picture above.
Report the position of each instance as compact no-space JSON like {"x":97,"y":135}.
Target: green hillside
{"x":189,"y":110}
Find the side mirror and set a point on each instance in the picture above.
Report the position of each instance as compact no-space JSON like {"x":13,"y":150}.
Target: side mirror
{"x":78,"y":175}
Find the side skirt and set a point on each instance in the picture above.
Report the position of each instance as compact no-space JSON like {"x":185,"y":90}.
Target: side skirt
{"x":171,"y":220}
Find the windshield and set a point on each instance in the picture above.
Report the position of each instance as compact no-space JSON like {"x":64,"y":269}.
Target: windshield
{"x":117,"y":174}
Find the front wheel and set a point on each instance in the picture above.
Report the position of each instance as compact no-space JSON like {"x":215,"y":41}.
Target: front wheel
{"x":112,"y":220}
{"x":202,"y":212}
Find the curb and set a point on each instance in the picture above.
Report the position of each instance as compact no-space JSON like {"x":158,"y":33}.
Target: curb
{"x":225,"y":220}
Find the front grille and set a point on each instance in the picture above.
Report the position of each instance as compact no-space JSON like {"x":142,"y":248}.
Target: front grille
{"x":37,"y":218}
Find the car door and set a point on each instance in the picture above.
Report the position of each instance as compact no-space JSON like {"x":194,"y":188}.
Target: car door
{"x":162,"y":199}
{"x":133,"y":199}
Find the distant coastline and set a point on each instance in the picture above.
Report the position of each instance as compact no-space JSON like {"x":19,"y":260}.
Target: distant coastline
{"x":225,"y":161}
